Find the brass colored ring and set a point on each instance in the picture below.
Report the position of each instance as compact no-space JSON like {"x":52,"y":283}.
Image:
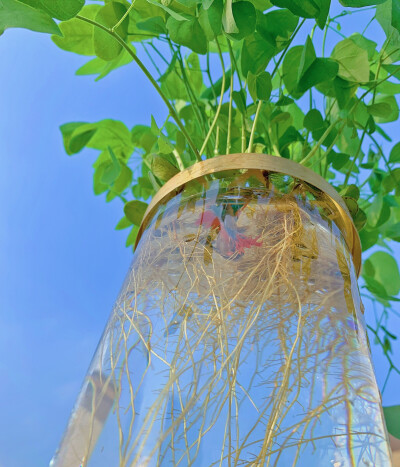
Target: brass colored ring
{"x":260,"y":162}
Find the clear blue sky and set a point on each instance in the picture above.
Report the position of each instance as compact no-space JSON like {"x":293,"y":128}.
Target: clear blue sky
{"x":61,"y":261}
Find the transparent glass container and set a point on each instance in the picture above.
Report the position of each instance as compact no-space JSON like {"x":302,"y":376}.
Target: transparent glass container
{"x":238,"y":339}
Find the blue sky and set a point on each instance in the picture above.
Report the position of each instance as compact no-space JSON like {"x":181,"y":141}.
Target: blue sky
{"x":61,"y":261}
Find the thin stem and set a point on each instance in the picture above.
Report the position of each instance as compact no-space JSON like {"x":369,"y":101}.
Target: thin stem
{"x":191,"y":94}
{"x":171,"y":109}
{"x":320,"y":142}
{"x":151,"y":59}
{"x":159,"y":53}
{"x":211,"y":129}
{"x":216,"y":149}
{"x":286,"y":48}
{"x":229,"y":136}
{"x":116,"y":26}
{"x":243,"y":135}
{"x":325,"y":36}
{"x":253,"y":129}
{"x":209,"y":77}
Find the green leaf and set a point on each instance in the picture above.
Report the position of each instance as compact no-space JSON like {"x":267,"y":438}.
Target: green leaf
{"x":391,"y":102}
{"x":102,"y":67}
{"x":62,"y":9}
{"x":393,"y":70}
{"x":244,"y":15}
{"x":375,"y":209}
{"x":321,"y":70}
{"x":360,"y":3}
{"x":14,"y":14}
{"x":387,"y":16}
{"x":360,"y":219}
{"x":228,"y":20}
{"x":174,"y":14}
{"x":113,"y":169}
{"x":338,"y":160}
{"x":395,"y":153}
{"x":106,"y":46}
{"x":194,"y":72}
{"x":211,"y":18}
{"x":290,"y":67}
{"x":353,"y":61}
{"x":277,"y":26}
{"x":123,"y":223}
{"x":74,"y":144}
{"x":143,"y":137}
{"x":162,"y":168}
{"x":324,"y":7}
{"x":395,"y":14}
{"x":386,"y":271}
{"x":368,"y":238}
{"x":208,"y":94}
{"x":155,"y":25}
{"x":164,"y":145}
{"x":98,"y":186}
{"x":256,"y":54}
{"x":260,"y":85}
{"x":313,"y":120}
{"x":351,"y":190}
{"x":134,"y":211}
{"x":393,"y":232}
{"x":97,"y":135}
{"x":364,"y":43}
{"x":307,"y":58}
{"x":132,"y":236}
{"x":381,"y":109}
{"x":239,"y":97}
{"x":188,"y":33}
{"x":123,"y":181}
{"x":153,"y":181}
{"x":78,"y":34}
{"x":304,"y":8}
{"x":172,"y":84}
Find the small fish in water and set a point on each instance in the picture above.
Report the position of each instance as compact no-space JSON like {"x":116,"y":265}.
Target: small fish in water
{"x":229,"y":240}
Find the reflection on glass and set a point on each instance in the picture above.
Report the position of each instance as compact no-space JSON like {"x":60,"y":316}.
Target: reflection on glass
{"x":238,"y":339}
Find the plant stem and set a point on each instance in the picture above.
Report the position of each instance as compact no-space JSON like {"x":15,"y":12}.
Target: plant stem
{"x":216,"y":149}
{"x":320,"y":141}
{"x":253,"y":128}
{"x":116,"y":26}
{"x":151,"y":59}
{"x":209,"y":77}
{"x":211,"y":129}
{"x":178,"y":160}
{"x":325,"y":36}
{"x":286,"y":48}
{"x":243,"y":148}
{"x":228,"y":138}
{"x":171,"y":109}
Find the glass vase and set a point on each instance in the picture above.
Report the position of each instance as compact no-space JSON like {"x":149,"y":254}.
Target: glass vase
{"x":238,"y":337}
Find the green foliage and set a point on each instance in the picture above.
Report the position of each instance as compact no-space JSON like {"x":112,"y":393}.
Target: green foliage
{"x":61,"y":9}
{"x":105,"y":45}
{"x":236,"y":78}
{"x":14,"y":14}
{"x":188,"y":33}
{"x":382,"y":268}
{"x":392,"y":417}
{"x":77,"y":36}
{"x":134,"y":211}
{"x":260,"y":85}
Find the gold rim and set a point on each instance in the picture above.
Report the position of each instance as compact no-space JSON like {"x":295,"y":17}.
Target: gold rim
{"x":260,"y":162}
